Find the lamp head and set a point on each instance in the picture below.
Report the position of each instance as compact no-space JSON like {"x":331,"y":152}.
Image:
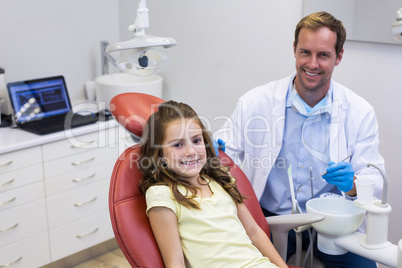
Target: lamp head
{"x":141,"y":55}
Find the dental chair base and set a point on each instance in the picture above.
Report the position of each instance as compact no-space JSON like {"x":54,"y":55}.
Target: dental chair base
{"x":386,"y":255}
{"x":374,"y":245}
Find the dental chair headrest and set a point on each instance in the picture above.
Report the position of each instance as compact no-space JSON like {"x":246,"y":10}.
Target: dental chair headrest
{"x":132,"y":110}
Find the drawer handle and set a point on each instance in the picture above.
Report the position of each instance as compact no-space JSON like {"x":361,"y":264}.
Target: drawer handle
{"x":88,"y":234}
{"x":86,"y":178}
{"x":82,"y":162}
{"x":11,"y":263}
{"x":82,"y":145}
{"x":6,"y":202}
{"x":8,"y":229}
{"x":5,"y":183}
{"x":85,"y":203}
{"x":6,"y":164}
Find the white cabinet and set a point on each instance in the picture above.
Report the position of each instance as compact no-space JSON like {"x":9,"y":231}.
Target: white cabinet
{"x":23,"y":225}
{"x":54,"y":196}
{"x":80,"y":234}
{"x":23,"y":221}
{"x":77,"y":174}
{"x":30,"y":252}
{"x":78,"y":203}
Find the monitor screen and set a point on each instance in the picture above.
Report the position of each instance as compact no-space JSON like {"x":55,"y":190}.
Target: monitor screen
{"x":39,"y":98}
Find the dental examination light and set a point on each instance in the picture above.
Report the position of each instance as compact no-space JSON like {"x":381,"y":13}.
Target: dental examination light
{"x":397,"y":26}
{"x":140,"y":55}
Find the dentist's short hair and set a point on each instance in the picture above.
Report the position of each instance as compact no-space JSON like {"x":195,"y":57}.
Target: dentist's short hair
{"x":318,"y":20}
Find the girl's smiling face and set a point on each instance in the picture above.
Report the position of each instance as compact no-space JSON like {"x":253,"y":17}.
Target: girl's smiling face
{"x":184,"y":148}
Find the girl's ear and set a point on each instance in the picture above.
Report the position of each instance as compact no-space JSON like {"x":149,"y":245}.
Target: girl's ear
{"x":163,"y":162}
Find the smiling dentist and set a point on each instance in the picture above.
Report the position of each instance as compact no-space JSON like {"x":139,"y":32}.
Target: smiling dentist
{"x":310,"y":122}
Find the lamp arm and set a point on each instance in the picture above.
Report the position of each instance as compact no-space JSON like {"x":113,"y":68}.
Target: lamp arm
{"x":399,"y":14}
{"x":142,"y":19}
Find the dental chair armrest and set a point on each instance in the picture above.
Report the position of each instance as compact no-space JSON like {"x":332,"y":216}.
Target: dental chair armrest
{"x":281,"y":225}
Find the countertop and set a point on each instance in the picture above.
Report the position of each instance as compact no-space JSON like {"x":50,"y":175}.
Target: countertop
{"x":13,"y":139}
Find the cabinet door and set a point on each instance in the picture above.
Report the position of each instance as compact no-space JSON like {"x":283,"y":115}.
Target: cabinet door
{"x":20,"y":159}
{"x":78,"y":162}
{"x":22,"y":195}
{"x":28,"y":253}
{"x":80,"y":144}
{"x":79,"y":235}
{"x":22,"y":222}
{"x":72,"y":205}
{"x":23,"y":176}
{"x":79,"y":178}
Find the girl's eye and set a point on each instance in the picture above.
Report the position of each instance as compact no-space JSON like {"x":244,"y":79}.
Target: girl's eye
{"x":177,"y":145}
{"x":198,"y":140}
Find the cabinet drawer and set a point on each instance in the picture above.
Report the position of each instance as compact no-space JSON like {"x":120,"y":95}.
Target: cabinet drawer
{"x":78,"y":161}
{"x":22,"y":221}
{"x":19,"y":159}
{"x":80,"y":178}
{"x":78,"y":203}
{"x":79,"y":144}
{"x":22,"y":195}
{"x":28,"y":253}
{"x":17,"y":178}
{"x":79,"y":235}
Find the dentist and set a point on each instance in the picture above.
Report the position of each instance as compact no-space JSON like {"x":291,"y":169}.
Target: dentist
{"x":310,"y":122}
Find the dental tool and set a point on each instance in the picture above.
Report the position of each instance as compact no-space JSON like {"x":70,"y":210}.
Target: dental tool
{"x":295,"y":204}
{"x":346,"y":158}
{"x":311,"y":182}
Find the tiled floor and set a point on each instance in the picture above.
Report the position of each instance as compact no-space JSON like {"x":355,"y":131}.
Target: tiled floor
{"x":112,"y":259}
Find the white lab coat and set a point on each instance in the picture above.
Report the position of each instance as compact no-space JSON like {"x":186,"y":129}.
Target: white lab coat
{"x":254,"y":132}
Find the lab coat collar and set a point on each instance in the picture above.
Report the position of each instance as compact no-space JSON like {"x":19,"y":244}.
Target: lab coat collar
{"x":294,"y":100}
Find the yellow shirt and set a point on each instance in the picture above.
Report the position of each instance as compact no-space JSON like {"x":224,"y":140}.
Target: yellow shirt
{"x":212,"y":236}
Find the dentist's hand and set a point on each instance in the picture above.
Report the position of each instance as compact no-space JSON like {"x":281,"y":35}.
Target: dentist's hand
{"x":219,"y":144}
{"x":340,"y":174}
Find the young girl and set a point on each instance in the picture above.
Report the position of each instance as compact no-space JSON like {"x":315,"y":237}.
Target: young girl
{"x":196,"y":212}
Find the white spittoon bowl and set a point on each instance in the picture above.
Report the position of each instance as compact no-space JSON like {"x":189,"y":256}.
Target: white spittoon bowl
{"x":342,"y":217}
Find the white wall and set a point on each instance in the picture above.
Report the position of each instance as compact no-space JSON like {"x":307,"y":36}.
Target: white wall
{"x":227,"y":47}
{"x":224,"y":48}
{"x":46,"y":37}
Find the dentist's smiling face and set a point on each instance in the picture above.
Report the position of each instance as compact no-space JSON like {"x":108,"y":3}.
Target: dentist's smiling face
{"x":315,"y":59}
{"x":184,"y":148}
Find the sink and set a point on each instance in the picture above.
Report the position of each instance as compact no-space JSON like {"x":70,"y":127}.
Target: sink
{"x":110,"y":85}
{"x":342,"y":217}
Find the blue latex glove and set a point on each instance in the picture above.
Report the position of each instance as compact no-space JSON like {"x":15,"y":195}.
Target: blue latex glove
{"x":219,"y":144}
{"x":340,"y":174}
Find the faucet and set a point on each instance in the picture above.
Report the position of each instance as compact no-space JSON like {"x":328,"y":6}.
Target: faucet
{"x":385,"y":184}
{"x":104,"y":59}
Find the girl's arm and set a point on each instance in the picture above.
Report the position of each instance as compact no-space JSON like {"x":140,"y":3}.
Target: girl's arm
{"x":258,"y":236}
{"x":164,"y":226}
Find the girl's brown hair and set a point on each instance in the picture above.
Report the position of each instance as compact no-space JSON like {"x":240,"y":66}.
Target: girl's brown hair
{"x":156,"y":173}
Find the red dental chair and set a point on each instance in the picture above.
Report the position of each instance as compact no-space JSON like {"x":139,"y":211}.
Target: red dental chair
{"x":127,"y":205}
